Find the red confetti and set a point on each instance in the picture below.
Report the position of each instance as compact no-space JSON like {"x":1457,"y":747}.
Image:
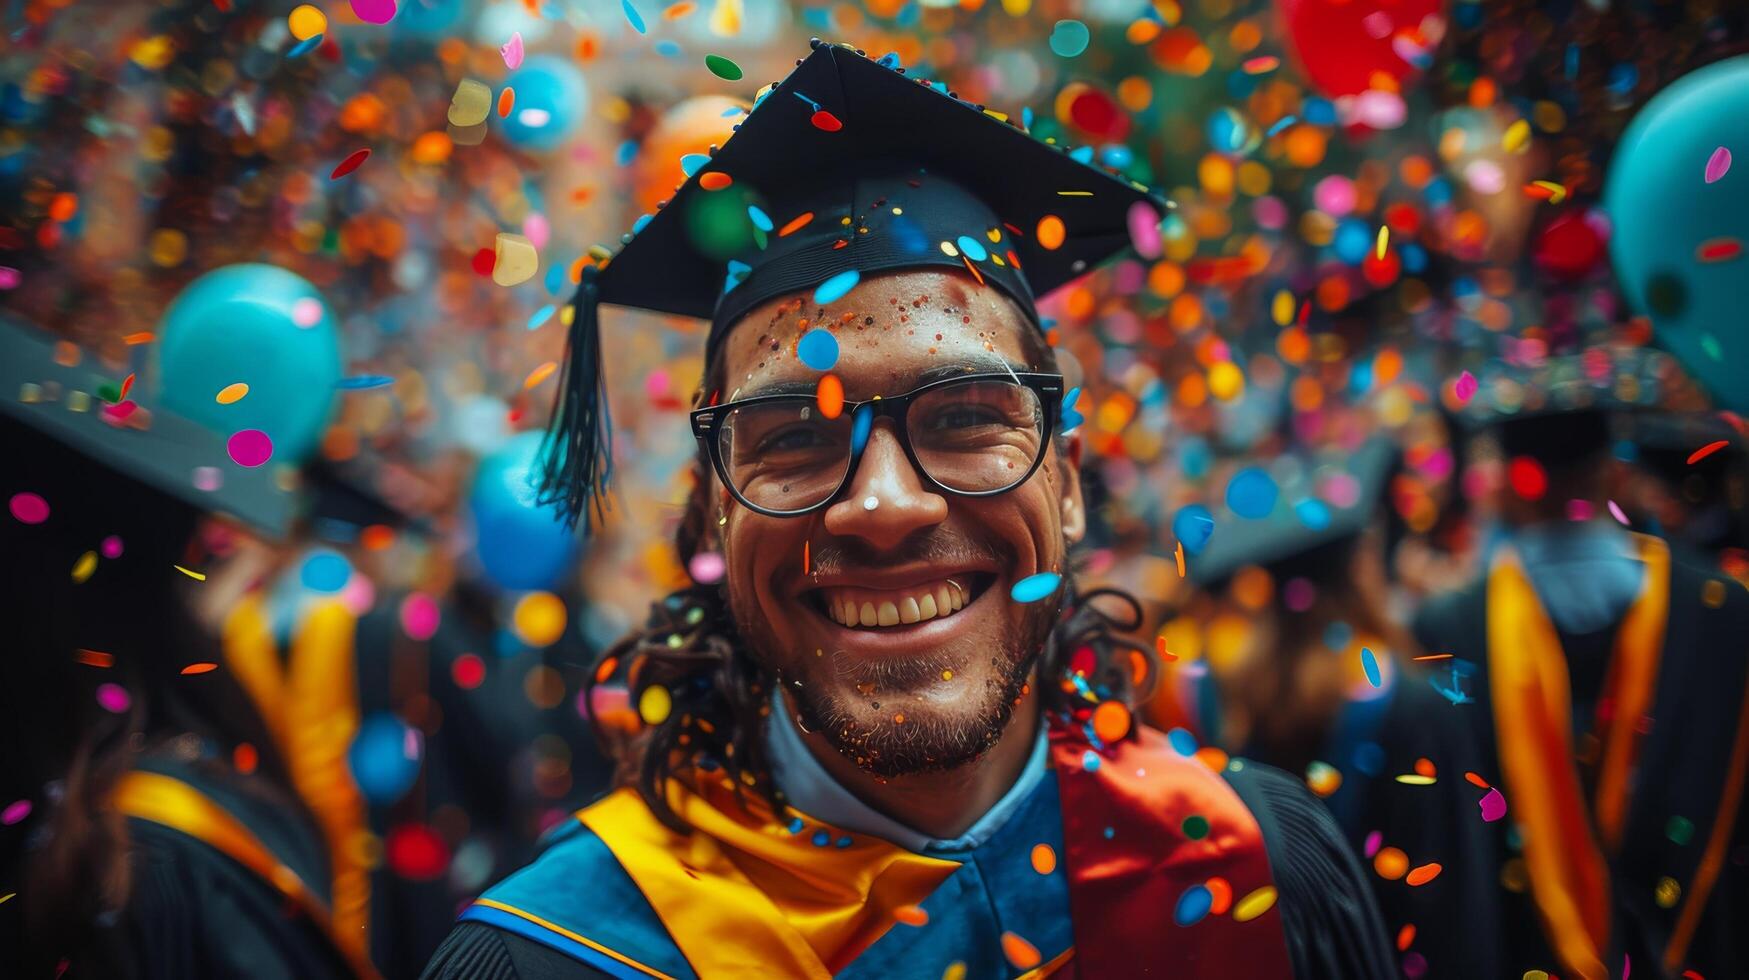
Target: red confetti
{"x":200,"y":668}
{"x":350,"y":164}
{"x":1718,"y":250}
{"x":484,"y":260}
{"x":126,"y":386}
{"x":826,"y":121}
{"x":1706,"y":450}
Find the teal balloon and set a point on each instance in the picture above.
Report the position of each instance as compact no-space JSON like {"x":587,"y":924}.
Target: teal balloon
{"x":1662,"y":208}
{"x":521,"y":544}
{"x":551,"y":98}
{"x":265,"y":327}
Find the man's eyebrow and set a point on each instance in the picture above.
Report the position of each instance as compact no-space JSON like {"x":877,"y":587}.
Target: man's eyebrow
{"x":940,"y":372}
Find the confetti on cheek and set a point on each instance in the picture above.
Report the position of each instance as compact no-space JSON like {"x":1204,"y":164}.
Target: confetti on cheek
{"x":352,"y":162}
{"x":249,"y":448}
{"x":29,"y":508}
{"x":1493,"y":806}
{"x":1035,"y":587}
{"x":14,"y":812}
{"x":113,"y":698}
{"x":1718,"y":165}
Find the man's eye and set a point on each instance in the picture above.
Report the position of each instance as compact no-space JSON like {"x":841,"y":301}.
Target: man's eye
{"x":794,"y":438}
{"x":966,"y":417}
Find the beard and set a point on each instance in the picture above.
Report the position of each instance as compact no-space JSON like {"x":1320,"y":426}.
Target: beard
{"x":837,"y":694}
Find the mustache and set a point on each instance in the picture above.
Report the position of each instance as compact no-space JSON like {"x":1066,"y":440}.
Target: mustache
{"x":928,"y":546}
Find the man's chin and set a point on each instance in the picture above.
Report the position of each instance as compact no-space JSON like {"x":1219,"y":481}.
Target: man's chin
{"x":909,"y":735}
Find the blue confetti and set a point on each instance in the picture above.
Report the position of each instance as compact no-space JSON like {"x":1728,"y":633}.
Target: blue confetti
{"x":1313,"y":513}
{"x":1193,"y":905}
{"x":1370,"y":664}
{"x":633,"y":17}
{"x":541,"y":315}
{"x":762,"y":221}
{"x":1369,"y":758}
{"x":1090,"y":760}
{"x":1182,"y":742}
{"x":1071,"y":418}
{"x":1035,"y":587}
{"x":972,"y":249}
{"x":842,"y":842}
{"x":1251,"y":493}
{"x":627,"y":152}
{"x":365,"y":381}
{"x":1193,"y":525}
{"x":305,"y":46}
{"x":811,"y":103}
{"x":1081,"y":154}
{"x":689,"y":163}
{"x":668,"y":49}
{"x":1069,"y":38}
{"x":325,"y":571}
{"x":834,"y":288}
{"x":643,"y":219}
{"x":821,"y":838}
{"x":795,"y":825}
{"x":860,"y":425}
{"x":1281,"y":124}
{"x":818,"y":349}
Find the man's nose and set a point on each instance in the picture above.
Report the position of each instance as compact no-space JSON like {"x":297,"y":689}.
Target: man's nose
{"x":886,"y":499}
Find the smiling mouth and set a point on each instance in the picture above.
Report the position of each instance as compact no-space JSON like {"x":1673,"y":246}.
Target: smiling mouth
{"x":875,"y":609}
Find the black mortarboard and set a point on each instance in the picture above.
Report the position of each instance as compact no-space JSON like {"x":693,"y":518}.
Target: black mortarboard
{"x":80,"y":406}
{"x":845,"y":168}
{"x":1301,"y":525}
{"x":1562,"y":410}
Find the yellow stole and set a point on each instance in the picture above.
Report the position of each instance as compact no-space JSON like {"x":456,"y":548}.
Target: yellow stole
{"x":742,"y":896}
{"x":1569,"y":872}
{"x":309,"y":703}
{"x":172,"y":803}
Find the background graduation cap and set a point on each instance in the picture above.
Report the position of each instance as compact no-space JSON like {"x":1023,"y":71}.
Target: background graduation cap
{"x":844,"y":169}
{"x":1303,"y":527}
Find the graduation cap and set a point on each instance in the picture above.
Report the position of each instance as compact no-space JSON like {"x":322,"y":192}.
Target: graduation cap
{"x":1329,"y":500}
{"x":80,"y":406}
{"x":1565,"y":409}
{"x":846,"y":168}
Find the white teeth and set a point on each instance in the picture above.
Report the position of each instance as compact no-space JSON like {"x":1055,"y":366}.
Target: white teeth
{"x":926,"y":607}
{"x":909,"y":611}
{"x":943,"y":600}
{"x":867,"y":616}
{"x":888,"y":615}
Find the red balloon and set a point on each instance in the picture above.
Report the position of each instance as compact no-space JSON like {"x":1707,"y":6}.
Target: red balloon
{"x":1342,"y":43}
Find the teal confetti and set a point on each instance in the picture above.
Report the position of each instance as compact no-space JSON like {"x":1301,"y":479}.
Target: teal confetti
{"x":541,"y":315}
{"x":834,"y":288}
{"x":1035,"y":587}
{"x":305,"y":46}
{"x":633,"y":17}
{"x":360,"y":381}
{"x":1370,"y":664}
{"x":818,"y":349}
{"x":1069,"y":38}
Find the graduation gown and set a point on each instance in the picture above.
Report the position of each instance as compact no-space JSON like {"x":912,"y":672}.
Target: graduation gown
{"x":227,"y":882}
{"x":1377,"y":735}
{"x":748,"y":895}
{"x":1625,"y":748}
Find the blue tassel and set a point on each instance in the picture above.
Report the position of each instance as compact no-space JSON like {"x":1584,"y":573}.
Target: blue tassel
{"x":577,"y":455}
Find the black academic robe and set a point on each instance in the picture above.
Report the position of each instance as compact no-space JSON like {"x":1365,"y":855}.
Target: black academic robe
{"x":1684,"y":759}
{"x":1327,"y":914}
{"x":194,"y":911}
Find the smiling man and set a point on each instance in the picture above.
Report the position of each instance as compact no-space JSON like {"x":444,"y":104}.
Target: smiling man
{"x":894,"y":740}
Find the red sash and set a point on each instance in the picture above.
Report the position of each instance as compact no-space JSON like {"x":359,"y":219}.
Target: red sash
{"x":1127,"y":891}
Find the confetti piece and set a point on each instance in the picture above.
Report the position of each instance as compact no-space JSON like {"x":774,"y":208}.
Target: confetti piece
{"x":807,"y":558}
{"x":231,"y":393}
{"x":351,"y":163}
{"x":126,"y":386}
{"x":539,"y":374}
{"x":818,"y":349}
{"x":675,"y":11}
{"x":1254,"y":904}
{"x":1069,"y":38}
{"x":374,"y":11}
{"x":1516,"y":137}
{"x":249,"y":447}
{"x":1044,"y":858}
{"x":707,"y":567}
{"x":197,"y":576}
{"x":1179,"y":554}
{"x":305,"y":46}
{"x":512,"y":51}
{"x":1615,"y":511}
{"x":1546,"y":190}
{"x":1493,"y":805}
{"x":830,"y":394}
{"x":1251,"y":493}
{"x":306,"y":22}
{"x":1166,"y":656}
{"x":1281,"y":124}
{"x":911,"y":915}
{"x":83,"y":568}
{"x":29,"y":508}
{"x":1193,"y":905}
{"x":654,"y":704}
{"x":113,"y":698}
{"x":1434,"y":656}
{"x":1370,"y":664}
{"x":825,"y":121}
{"x":1035,"y":587}
{"x":514,"y":259}
{"x":633,"y":17}
{"x":200,"y":668}
{"x":360,"y":381}
{"x":1383,"y":242}
{"x":1718,"y":165}
{"x":833,"y":289}
{"x":1022,"y":954}
{"x":1111,"y":721}
{"x":796,"y":223}
{"x":1050,"y":232}
{"x":95,"y":658}
{"x":142,"y":337}
{"x":1144,"y":226}
{"x":506,"y":102}
{"x":470,"y":104}
{"x":1706,"y":450}
{"x":1416,"y":779}
{"x":1390,"y":863}
{"x":17,"y":810}
{"x":1464,"y":388}
{"x":1424,"y":874}
{"x":1260,"y":65}
{"x":1718,"y":250}
{"x":714,"y":180}
{"x":722,"y":67}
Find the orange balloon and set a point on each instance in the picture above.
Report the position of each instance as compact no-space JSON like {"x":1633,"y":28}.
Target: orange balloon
{"x":687,"y":127}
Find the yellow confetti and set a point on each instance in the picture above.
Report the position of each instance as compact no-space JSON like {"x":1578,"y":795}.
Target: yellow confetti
{"x":231,"y":393}
{"x":1517,"y":136}
{"x":1384,"y":240}
{"x":197,"y":576}
{"x":1557,"y":192}
{"x":1415,"y":779}
{"x":955,"y":971}
{"x":654,"y":704}
{"x":306,"y":22}
{"x":83,"y":568}
{"x":1254,"y":904}
{"x":539,"y":374}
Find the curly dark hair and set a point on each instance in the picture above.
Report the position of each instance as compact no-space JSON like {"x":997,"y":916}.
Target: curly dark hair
{"x":721,"y":695}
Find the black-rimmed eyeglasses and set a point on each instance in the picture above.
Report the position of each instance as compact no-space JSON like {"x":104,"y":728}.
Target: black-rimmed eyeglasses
{"x":976,"y":435}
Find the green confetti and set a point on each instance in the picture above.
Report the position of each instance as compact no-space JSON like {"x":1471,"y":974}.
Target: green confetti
{"x":722,"y":67}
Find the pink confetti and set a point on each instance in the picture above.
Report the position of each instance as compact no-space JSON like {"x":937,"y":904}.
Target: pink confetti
{"x":706,"y":567}
{"x":30,"y":508}
{"x":1718,"y":165}
{"x":14,"y":812}
{"x":420,"y":616}
{"x":1465,"y":388}
{"x":113,"y":698}
{"x":111,"y":547}
{"x":250,"y":447}
{"x":1144,"y":224}
{"x":208,"y":478}
{"x":1493,"y":806}
{"x":374,"y":11}
{"x":307,"y":312}
{"x":1615,"y":512}
{"x":10,"y":277}
{"x":1374,"y":841}
{"x":512,"y":51}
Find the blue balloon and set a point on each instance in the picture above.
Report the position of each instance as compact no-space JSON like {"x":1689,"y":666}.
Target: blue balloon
{"x":521,"y":545}
{"x":267,"y":328}
{"x":385,"y":757}
{"x":551,"y":98}
{"x":1662,"y":208}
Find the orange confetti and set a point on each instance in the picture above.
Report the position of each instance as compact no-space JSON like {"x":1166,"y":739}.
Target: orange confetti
{"x":605,"y":669}
{"x":1476,"y":780}
{"x":1138,"y":668}
{"x":1423,"y":874}
{"x":377,"y":537}
{"x":714,"y":180}
{"x":96,"y":658}
{"x":830,"y":394}
{"x":539,"y":374}
{"x":1435,"y":656}
{"x":911,"y":915}
{"x":1179,"y":554}
{"x":1706,"y":450}
{"x":1390,"y":863}
{"x":675,"y":11}
{"x":1160,"y":645}
{"x":200,"y":668}
{"x":506,"y":100}
{"x":1022,"y":954}
{"x":245,"y":758}
{"x":127,"y":385}
{"x":1215,"y":759}
{"x":1111,"y":721}
{"x":1405,"y":937}
{"x":1044,"y":859}
{"x":136,"y":339}
{"x":796,"y":223}
{"x":806,"y":564}
{"x":973,"y":270}
{"x":1424,"y":767}
{"x":1220,"y":895}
